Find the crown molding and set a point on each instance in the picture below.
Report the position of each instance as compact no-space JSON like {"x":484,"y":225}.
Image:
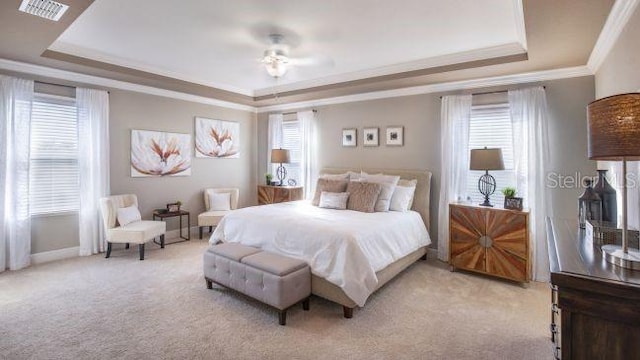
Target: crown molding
{"x":616,"y":21}
{"x":40,"y":70}
{"x":530,"y":77}
{"x":521,"y":30}
{"x":504,"y":50}
{"x":78,"y":51}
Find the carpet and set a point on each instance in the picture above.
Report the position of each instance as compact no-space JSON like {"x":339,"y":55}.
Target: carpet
{"x":160,"y":308}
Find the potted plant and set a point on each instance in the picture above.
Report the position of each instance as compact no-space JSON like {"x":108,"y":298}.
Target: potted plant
{"x":268,"y":177}
{"x":510,"y":200}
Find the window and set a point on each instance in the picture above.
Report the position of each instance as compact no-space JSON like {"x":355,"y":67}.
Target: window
{"x":53,"y":178}
{"x":291,"y":140}
{"x":490,"y":126}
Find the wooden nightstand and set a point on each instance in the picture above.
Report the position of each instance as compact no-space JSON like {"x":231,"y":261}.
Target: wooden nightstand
{"x":488,"y":240}
{"x":268,"y":194}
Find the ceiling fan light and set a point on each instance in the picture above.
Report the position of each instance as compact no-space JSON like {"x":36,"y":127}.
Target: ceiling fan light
{"x":275,"y":61}
{"x":276,"y":68}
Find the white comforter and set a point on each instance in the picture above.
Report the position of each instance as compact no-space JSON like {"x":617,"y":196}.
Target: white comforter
{"x":344,"y":247}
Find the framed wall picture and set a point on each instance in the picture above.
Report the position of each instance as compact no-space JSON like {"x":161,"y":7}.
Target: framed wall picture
{"x":349,"y":137}
{"x":217,"y":138}
{"x":158,"y":153}
{"x":370,"y":136}
{"x":395,"y":135}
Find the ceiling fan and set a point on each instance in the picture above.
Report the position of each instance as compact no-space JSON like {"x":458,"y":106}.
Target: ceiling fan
{"x":276,"y":57}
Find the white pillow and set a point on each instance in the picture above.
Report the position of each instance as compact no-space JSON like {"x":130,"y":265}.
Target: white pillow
{"x":219,"y":201}
{"x":402,"y":198}
{"x":388,"y":183}
{"x":354,"y":175}
{"x":127,"y":215}
{"x":331,"y":200}
{"x":344,"y":176}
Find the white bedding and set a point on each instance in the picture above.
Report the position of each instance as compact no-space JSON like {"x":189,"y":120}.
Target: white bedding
{"x":344,"y":247}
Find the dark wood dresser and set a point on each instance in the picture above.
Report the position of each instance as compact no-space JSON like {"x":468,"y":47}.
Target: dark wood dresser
{"x":595,"y":312}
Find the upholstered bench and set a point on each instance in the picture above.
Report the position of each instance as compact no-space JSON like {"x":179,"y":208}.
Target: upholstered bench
{"x":273,"y":279}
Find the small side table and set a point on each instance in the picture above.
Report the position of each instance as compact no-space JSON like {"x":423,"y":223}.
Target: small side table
{"x":179,"y":214}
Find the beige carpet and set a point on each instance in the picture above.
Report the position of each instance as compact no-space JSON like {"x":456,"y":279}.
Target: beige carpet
{"x":159,"y":308}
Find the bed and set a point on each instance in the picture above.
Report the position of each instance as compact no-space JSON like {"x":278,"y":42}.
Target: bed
{"x":351,"y":254}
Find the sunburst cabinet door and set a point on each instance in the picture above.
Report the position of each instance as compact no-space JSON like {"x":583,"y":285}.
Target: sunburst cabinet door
{"x":466,"y":227}
{"x":508,"y":255}
{"x":265,"y":195}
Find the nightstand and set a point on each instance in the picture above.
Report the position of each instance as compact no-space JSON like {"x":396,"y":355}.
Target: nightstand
{"x":268,"y":194}
{"x":488,"y":240}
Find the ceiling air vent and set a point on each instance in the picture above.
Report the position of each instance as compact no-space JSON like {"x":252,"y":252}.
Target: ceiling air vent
{"x":47,"y":9}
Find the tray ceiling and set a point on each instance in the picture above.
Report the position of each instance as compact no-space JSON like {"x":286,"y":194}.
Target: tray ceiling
{"x":218,"y":43}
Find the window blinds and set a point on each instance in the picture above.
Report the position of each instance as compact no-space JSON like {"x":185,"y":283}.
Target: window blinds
{"x":490,"y":126}
{"x":291,"y":140}
{"x":53,"y":180}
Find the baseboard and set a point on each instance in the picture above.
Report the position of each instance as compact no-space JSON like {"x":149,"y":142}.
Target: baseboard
{"x":54,"y":255}
{"x":432,"y":253}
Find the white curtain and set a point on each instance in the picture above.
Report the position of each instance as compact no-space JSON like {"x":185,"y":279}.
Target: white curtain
{"x":93,"y":163}
{"x":454,"y":134}
{"x":308,"y":163}
{"x":275,"y":138}
{"x":529,"y":117}
{"x":16,"y":96}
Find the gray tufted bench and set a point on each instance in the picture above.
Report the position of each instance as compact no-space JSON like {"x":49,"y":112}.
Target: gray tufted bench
{"x":273,"y":279}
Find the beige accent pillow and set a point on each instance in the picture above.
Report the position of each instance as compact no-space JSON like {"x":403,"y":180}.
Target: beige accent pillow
{"x":336,"y":186}
{"x":363,"y":196}
{"x":388,"y":183}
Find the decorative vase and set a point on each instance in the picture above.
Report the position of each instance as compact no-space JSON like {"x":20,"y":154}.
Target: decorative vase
{"x":589,"y":205}
{"x":608,"y":196}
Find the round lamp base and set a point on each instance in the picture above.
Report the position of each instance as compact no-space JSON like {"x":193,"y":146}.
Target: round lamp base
{"x":615,"y":255}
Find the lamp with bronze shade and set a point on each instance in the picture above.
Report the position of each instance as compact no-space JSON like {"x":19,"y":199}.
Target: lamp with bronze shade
{"x":614,"y":135}
{"x":486,"y":159}
{"x":280,"y":156}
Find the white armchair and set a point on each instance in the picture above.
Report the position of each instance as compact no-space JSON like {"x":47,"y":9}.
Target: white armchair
{"x":136,"y":232}
{"x":212,"y":216}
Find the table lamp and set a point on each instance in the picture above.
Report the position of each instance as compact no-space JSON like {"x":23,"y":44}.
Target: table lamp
{"x":280,"y":156}
{"x":486,"y":159}
{"x":614,"y":134}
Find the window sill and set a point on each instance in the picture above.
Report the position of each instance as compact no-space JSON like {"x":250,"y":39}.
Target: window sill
{"x":54,"y":214}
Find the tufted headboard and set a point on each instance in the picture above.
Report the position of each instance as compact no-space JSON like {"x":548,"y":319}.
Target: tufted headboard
{"x":422,"y":195}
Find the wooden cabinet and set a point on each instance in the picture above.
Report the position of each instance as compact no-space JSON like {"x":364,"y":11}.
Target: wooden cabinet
{"x":492,"y":241}
{"x":268,"y":194}
{"x":598,"y":303}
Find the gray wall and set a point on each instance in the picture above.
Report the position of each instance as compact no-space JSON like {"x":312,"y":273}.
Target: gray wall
{"x":131,"y":110}
{"x":420,"y":116}
{"x":620,"y":72}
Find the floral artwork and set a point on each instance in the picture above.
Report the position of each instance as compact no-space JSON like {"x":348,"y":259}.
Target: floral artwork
{"x":217,"y":138}
{"x":155,"y":153}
